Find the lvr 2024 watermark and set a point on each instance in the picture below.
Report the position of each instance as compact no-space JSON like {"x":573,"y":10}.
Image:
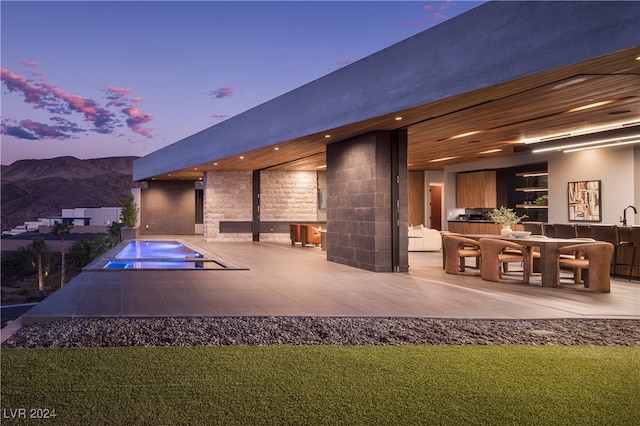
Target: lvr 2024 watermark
{"x":29,"y":413}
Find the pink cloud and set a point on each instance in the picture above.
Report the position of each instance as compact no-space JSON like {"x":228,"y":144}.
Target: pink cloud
{"x":136,"y":119}
{"x":29,"y":63}
{"x":43,"y":95}
{"x":50,"y":98}
{"x":17,"y":83}
{"x":221,"y":92}
{"x":435,"y":12}
{"x":219,"y":116}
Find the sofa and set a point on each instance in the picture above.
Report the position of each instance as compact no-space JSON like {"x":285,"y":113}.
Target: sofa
{"x":424,"y":239}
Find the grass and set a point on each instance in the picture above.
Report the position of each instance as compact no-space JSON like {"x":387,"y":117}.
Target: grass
{"x":283,"y":385}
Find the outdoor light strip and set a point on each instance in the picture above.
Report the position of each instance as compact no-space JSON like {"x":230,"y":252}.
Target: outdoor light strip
{"x":602,"y":146}
{"x":580,"y":132}
{"x":578,"y":145}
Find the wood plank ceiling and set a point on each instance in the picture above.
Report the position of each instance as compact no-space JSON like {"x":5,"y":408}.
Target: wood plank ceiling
{"x":486,"y":123}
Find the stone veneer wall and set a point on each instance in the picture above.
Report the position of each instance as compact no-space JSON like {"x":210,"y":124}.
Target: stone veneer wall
{"x":287,"y":196}
{"x":227,"y":197}
{"x":359,"y":211}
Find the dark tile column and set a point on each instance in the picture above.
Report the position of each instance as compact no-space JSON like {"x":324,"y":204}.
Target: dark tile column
{"x":367,"y":201}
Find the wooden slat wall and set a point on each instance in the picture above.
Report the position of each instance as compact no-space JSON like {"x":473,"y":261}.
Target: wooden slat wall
{"x":416,"y":197}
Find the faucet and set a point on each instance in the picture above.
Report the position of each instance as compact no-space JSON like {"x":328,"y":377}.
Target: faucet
{"x":624,"y":214}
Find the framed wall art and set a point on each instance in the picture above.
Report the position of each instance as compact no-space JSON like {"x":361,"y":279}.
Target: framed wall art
{"x":584,"y":201}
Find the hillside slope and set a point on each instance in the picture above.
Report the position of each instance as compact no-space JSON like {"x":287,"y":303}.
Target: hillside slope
{"x":37,"y":188}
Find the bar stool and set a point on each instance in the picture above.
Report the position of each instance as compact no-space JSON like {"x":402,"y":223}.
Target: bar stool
{"x":635,"y":241}
{"x":609,"y":233}
{"x":548,"y":230}
{"x":534,"y":227}
{"x":565,"y":230}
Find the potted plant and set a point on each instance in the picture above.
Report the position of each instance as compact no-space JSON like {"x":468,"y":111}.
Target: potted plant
{"x":505,"y":217}
{"x":128,"y":217}
{"x":542,"y":200}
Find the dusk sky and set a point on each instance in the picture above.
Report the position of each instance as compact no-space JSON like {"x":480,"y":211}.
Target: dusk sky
{"x":101,"y":79}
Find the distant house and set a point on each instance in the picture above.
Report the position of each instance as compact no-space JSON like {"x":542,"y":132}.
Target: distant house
{"x":84,"y":219}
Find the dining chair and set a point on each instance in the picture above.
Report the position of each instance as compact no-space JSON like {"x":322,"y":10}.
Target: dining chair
{"x":577,"y":272}
{"x":495,"y":255}
{"x":595,"y":257}
{"x":456,"y":250}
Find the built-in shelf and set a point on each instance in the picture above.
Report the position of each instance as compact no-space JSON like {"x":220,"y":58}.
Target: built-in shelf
{"x":532,"y":174}
{"x":530,"y":206}
{"x":532,"y":189}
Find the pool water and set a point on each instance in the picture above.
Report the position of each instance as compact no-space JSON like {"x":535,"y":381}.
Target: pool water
{"x":140,"y":254}
{"x":162,"y":264}
{"x":156,"y":250}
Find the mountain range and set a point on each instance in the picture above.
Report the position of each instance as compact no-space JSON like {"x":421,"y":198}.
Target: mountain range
{"x":38,"y":188}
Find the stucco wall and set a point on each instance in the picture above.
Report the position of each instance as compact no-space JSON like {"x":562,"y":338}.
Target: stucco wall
{"x":227,"y":197}
{"x":168,"y":207}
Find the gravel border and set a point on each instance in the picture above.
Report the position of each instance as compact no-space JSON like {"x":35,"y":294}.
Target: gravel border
{"x":252,"y":331}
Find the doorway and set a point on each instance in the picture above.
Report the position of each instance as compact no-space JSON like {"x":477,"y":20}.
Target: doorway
{"x":435,"y":207}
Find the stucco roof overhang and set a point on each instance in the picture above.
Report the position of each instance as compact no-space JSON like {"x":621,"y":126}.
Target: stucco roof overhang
{"x":509,"y":70}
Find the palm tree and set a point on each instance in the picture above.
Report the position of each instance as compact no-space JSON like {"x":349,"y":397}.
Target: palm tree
{"x":61,"y":229}
{"x":38,"y":246}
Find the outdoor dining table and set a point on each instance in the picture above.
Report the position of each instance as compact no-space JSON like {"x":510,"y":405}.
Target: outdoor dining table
{"x":548,"y":252}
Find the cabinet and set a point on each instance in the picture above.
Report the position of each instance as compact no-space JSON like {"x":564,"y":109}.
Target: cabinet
{"x":476,"y":189}
{"x":479,"y":227}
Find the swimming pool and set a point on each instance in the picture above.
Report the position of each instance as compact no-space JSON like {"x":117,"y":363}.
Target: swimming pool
{"x":138,"y":249}
{"x":162,"y":264}
{"x":158,"y":255}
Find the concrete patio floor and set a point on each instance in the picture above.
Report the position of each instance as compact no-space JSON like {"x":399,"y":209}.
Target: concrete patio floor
{"x":292,"y":281}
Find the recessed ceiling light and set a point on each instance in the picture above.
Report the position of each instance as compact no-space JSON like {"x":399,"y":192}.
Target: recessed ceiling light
{"x":398,"y":118}
{"x":327,"y":136}
{"x":322,"y":167}
{"x":276,"y":149}
{"x":443,"y":159}
{"x":462,"y":135}
{"x":491,"y":151}
{"x":242,"y":157}
{"x":215,"y":164}
{"x":589,"y":106}
{"x":569,"y":83}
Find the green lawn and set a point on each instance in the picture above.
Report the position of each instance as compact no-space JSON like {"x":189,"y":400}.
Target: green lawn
{"x":282,"y":385}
